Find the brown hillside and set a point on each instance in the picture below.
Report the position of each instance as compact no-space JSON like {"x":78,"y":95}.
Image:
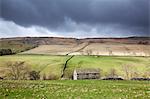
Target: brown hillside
{"x":133,"y":46}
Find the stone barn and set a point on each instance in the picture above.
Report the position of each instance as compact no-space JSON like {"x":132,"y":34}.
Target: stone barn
{"x":80,"y":74}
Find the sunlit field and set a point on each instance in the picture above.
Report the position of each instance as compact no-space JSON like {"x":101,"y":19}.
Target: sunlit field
{"x":54,"y":64}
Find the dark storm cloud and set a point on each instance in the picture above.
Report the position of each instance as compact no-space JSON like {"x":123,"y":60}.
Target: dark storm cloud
{"x":55,"y":14}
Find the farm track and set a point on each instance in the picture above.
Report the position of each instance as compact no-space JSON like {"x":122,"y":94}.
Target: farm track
{"x":80,"y":49}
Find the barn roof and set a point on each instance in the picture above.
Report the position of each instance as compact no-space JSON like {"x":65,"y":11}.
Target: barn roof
{"x":88,"y":70}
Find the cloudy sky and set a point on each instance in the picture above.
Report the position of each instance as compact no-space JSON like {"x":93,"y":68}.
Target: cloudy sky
{"x":74,"y":18}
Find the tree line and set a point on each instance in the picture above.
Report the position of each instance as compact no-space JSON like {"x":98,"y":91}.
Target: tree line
{"x":5,"y":52}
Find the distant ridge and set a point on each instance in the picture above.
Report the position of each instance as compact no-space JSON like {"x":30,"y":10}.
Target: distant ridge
{"x":139,"y":37}
{"x":67,"y":40}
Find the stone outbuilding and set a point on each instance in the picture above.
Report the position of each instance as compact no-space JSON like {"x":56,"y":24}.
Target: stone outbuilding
{"x":80,"y":74}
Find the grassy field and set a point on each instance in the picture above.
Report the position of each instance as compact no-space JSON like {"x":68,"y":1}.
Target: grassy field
{"x":67,"y":89}
{"x":44,"y":63}
{"x":54,"y":64}
{"x":106,"y":63}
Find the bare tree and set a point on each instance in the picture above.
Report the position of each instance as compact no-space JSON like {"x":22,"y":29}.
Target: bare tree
{"x":89,"y":52}
{"x":147,"y":72}
{"x":113,"y":73}
{"x":17,"y":70}
{"x":110,"y":52}
{"x":128,"y":70}
{"x":135,"y":74}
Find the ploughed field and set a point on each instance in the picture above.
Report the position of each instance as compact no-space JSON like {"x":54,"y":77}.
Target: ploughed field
{"x":81,"y":89}
{"x":130,"y":46}
{"x":53,"y":65}
{"x":109,"y":49}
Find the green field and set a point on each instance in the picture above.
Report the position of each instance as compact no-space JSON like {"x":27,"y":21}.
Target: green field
{"x":54,"y":64}
{"x":45,"y":64}
{"x":67,"y":89}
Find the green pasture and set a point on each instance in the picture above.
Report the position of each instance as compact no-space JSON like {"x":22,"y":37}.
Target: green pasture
{"x":54,"y":64}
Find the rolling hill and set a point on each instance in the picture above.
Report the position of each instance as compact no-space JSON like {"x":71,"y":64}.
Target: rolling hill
{"x":132,"y":46}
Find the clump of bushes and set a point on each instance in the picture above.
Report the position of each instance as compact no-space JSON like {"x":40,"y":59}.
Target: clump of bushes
{"x":143,"y":42}
{"x":34,"y":75}
{"x":52,"y":77}
{"x":5,"y":52}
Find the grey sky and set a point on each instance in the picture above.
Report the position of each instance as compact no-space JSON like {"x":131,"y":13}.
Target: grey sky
{"x":75,"y":18}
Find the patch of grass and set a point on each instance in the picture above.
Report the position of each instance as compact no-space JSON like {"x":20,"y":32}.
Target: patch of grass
{"x":66,"y":89}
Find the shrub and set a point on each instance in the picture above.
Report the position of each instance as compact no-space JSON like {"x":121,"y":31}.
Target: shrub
{"x":44,"y":77}
{"x":143,"y":42}
{"x":147,"y":72}
{"x":34,"y":75}
{"x":5,"y":52}
{"x":129,"y":71}
{"x":68,"y":73}
{"x":112,"y":73}
{"x":52,"y":77}
{"x":1,"y":78}
{"x":135,"y":73}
